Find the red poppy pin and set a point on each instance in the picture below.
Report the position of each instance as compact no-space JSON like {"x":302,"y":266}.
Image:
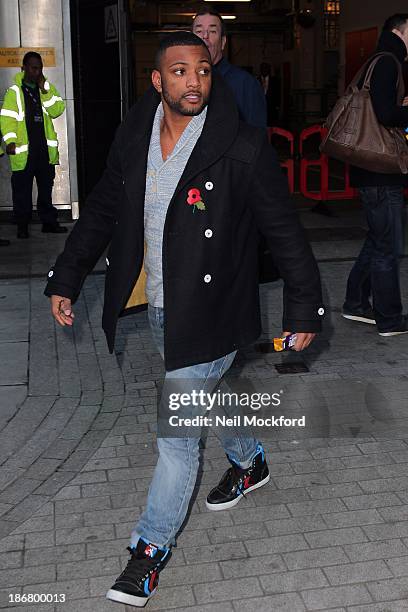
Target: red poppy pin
{"x":194,"y":199}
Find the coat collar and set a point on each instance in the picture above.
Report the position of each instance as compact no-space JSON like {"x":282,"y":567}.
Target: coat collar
{"x":389,"y":41}
{"x":220,"y":128}
{"x":219,"y":132}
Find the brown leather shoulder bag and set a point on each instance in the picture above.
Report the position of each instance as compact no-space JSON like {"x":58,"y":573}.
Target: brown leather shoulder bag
{"x":355,"y":134}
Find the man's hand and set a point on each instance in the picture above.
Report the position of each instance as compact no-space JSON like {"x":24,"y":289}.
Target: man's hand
{"x":302,"y":340}
{"x":11,"y":148}
{"x":405,"y":101}
{"x":41,"y":82}
{"x":62,"y":310}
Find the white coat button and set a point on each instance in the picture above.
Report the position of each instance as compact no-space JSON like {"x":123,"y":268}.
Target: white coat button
{"x":207,"y":278}
{"x":209,"y":185}
{"x":320,"y":312}
{"x":208,"y":233}
{"x":50,"y":273}
{"x":107,"y":261}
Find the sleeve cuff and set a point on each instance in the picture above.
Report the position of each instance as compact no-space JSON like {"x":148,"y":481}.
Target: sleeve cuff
{"x":303,"y":317}
{"x":309,"y":312}
{"x":54,"y":287}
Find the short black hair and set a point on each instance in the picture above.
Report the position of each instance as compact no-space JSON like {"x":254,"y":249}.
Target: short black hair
{"x":395,"y":22}
{"x":180,"y":38}
{"x":29,"y":55}
{"x":210,"y":11}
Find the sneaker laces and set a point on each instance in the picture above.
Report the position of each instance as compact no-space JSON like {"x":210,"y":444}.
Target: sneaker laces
{"x":232,"y":478}
{"x":138,"y":567}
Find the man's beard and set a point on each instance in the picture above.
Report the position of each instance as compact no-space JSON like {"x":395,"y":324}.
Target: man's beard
{"x":176,"y":105}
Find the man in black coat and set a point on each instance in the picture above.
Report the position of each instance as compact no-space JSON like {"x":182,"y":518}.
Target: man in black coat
{"x":185,"y":189}
{"x":376,"y":270}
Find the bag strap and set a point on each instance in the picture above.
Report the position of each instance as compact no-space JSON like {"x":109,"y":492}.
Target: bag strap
{"x":337,"y":111}
{"x":357,"y":77}
{"x":400,"y":83}
{"x":370,"y":64}
{"x":360,"y":72}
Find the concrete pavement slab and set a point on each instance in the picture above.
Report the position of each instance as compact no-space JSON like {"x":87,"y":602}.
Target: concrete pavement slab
{"x":13,"y":357}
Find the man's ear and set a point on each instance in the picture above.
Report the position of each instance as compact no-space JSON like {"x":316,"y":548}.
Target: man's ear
{"x":156,"y":80}
{"x":223,"y":42}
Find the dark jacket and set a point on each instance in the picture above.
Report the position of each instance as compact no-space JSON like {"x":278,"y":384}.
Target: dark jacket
{"x":210,"y":278}
{"x":386,"y":107}
{"x":247,"y":91}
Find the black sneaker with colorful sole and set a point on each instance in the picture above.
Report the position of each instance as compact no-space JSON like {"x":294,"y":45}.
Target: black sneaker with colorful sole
{"x":237,"y":482}
{"x":138,"y":581}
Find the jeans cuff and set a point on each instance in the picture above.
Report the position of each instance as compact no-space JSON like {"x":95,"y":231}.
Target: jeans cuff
{"x":246,"y":463}
{"x":135,"y":537}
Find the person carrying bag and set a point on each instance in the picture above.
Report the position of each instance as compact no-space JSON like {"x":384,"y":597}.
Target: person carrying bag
{"x":366,"y":129}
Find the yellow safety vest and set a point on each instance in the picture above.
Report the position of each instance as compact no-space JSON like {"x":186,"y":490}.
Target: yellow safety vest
{"x":13,"y":125}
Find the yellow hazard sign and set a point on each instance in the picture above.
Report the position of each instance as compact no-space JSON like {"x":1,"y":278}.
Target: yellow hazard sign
{"x":12,"y":57}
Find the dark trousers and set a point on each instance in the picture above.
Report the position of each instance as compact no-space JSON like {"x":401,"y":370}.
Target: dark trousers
{"x":376,"y":270}
{"x":22,"y":186}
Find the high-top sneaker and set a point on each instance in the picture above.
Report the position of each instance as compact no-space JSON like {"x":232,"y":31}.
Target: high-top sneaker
{"x":237,"y":482}
{"x":139,"y":580}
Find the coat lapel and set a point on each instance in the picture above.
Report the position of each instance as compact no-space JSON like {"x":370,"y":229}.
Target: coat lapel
{"x":138,"y":130}
{"x":220,"y":130}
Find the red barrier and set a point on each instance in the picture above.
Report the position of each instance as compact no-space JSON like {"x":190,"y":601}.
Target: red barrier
{"x":323,"y":163}
{"x":289,"y":164}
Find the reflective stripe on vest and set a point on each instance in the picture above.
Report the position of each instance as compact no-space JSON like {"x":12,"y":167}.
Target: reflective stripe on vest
{"x":19,"y":104}
{"x":52,"y":143}
{"x":52,"y":101}
{"x":9,"y":135}
{"x":10,"y":113}
{"x":22,"y":149}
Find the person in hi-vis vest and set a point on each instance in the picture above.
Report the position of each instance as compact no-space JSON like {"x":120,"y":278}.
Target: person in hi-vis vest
{"x":29,"y":107}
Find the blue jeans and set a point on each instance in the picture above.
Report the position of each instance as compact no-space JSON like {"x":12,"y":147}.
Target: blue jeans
{"x":376,"y":270}
{"x":176,"y":470}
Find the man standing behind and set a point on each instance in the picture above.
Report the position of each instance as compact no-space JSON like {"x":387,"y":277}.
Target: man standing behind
{"x":376,"y":270}
{"x":26,"y":117}
{"x":248,"y":93}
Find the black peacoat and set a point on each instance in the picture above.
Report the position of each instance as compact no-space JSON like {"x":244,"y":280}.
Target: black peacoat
{"x":210,"y":258}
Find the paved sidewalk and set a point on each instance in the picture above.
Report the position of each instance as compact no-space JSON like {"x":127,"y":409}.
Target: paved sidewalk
{"x":77,"y":450}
